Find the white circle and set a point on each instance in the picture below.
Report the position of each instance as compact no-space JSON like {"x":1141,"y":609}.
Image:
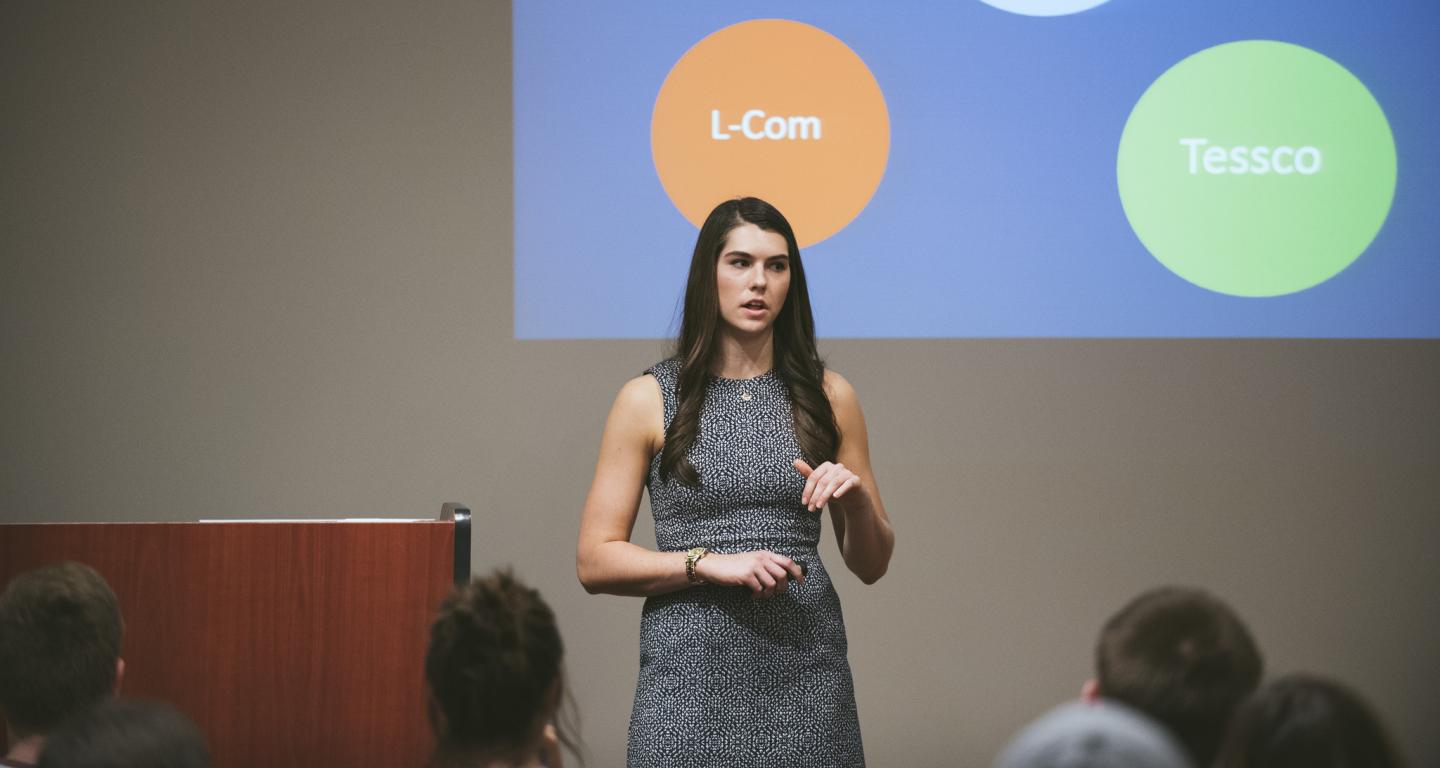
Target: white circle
{"x":1044,"y":7}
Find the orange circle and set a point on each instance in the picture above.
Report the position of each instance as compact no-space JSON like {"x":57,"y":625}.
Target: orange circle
{"x":776,"y":109}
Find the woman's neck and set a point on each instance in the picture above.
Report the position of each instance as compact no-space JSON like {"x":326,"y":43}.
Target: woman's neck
{"x":743,"y":357}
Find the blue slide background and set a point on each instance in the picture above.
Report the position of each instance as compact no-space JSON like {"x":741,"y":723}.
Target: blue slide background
{"x":998,"y":215}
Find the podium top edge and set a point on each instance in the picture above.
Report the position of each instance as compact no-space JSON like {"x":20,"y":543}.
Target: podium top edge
{"x":251,"y":521}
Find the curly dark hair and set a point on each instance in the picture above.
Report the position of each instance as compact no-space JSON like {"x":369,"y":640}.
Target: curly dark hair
{"x":494,"y":667}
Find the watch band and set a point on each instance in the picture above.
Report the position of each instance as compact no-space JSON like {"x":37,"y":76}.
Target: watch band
{"x":691,"y":558}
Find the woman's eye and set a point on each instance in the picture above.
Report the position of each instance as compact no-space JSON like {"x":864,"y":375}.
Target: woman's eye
{"x":740,"y":263}
{"x":779,"y":266}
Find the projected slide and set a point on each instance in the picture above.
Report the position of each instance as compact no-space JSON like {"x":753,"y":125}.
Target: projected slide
{"x":990,"y":168}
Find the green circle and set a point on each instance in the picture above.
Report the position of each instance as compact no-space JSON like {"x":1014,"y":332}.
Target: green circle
{"x":1247,"y":222}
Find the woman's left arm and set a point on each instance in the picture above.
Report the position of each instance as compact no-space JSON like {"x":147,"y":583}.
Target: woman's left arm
{"x":848,"y":485}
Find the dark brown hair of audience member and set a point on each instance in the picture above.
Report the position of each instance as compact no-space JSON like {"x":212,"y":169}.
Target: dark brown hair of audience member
{"x":60,"y":634}
{"x":494,"y":668}
{"x":1182,"y":657}
{"x":1306,"y":722}
{"x":127,"y":734}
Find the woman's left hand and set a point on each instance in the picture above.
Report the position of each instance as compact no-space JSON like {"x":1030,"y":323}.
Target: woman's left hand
{"x":825,"y":482}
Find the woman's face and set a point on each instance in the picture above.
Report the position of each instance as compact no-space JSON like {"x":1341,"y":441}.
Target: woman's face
{"x":753,"y":276}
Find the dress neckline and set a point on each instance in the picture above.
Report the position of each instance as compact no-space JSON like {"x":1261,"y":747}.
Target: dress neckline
{"x":758,"y":377}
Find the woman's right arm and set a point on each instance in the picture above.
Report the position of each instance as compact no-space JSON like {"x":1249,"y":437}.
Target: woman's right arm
{"x":605,"y":560}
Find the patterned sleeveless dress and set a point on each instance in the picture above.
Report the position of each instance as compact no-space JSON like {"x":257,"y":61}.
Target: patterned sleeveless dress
{"x":726,"y":679}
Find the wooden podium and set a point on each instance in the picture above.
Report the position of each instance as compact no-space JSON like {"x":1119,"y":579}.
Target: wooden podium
{"x":291,"y":643}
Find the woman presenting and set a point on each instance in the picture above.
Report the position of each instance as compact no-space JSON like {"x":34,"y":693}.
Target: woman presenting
{"x":741,"y":439}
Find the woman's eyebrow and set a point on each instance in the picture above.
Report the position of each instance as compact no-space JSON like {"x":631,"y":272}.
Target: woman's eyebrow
{"x":748,"y":255}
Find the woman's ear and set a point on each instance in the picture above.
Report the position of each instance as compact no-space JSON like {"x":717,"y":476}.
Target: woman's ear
{"x":551,"y":755}
{"x":1090,"y":691}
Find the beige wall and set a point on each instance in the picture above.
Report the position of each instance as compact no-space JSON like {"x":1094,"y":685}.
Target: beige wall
{"x":257,"y":262}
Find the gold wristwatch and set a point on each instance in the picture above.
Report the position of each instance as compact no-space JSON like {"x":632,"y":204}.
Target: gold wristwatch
{"x":691,"y":558}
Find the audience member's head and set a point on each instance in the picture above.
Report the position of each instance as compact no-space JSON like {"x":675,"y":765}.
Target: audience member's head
{"x":1306,"y":722}
{"x":127,"y":734}
{"x":494,"y":670}
{"x":1093,"y":735}
{"x":1182,"y":657}
{"x":59,"y":647}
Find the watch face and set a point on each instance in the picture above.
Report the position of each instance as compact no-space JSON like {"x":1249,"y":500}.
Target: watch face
{"x":691,"y":558}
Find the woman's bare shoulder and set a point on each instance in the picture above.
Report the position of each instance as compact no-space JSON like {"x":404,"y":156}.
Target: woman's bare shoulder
{"x":641,"y":390}
{"x":838,"y":389}
{"x":640,"y":408}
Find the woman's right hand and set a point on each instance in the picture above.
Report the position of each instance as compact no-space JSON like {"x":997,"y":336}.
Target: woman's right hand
{"x":765,"y":574}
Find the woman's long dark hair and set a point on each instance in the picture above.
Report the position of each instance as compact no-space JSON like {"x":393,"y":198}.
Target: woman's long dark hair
{"x":797,"y":363}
